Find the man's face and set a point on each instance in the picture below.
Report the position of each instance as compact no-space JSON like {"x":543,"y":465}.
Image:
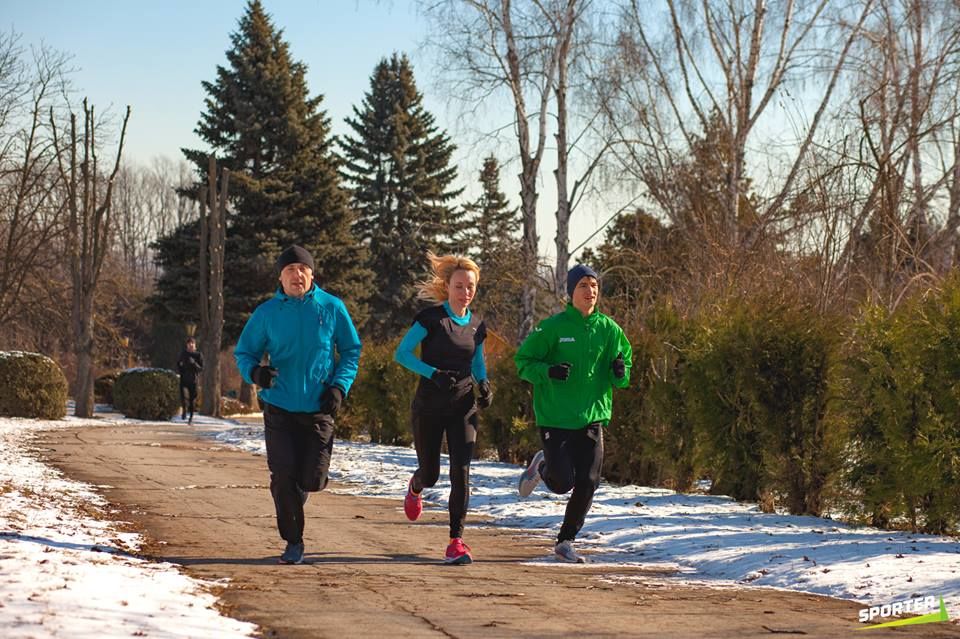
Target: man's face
{"x":585,"y":294}
{"x":296,"y":279}
{"x":191,"y":346}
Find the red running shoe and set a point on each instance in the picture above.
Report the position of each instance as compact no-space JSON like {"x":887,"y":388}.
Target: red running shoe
{"x":412,"y":503}
{"x":458,"y":553}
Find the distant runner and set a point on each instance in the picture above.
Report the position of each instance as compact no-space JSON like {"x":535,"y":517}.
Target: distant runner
{"x":189,"y":364}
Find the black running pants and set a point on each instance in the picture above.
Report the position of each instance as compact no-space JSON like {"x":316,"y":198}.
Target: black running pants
{"x":457,"y":417}
{"x":573,"y":460}
{"x":299,"y":446}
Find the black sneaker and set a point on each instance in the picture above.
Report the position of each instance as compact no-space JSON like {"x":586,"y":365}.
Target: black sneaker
{"x":293,"y":554}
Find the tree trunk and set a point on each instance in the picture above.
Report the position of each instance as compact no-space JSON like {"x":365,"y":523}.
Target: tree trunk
{"x":89,"y":236}
{"x":213,"y":238}
{"x":83,"y":349}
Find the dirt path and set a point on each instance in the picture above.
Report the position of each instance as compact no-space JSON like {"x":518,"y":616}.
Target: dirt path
{"x":373,"y":574}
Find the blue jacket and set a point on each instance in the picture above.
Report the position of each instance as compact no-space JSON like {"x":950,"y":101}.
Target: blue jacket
{"x":300,"y":335}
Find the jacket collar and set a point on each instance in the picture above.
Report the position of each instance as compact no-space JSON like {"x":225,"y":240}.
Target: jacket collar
{"x":572,"y":311}
{"x":309,"y":295}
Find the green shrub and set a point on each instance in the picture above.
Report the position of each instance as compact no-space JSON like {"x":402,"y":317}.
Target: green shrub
{"x":758,"y":388}
{"x":31,"y":385}
{"x":381,"y":396}
{"x":650,"y":439}
{"x":103,"y":387}
{"x":903,"y":402}
{"x":508,"y":426}
{"x":147,"y":393}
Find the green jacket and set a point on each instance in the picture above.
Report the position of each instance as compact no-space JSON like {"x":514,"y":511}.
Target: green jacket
{"x":589,"y":344}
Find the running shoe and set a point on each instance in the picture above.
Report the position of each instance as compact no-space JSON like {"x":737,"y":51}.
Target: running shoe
{"x":413,"y":503}
{"x":564,"y":551}
{"x":458,"y":553}
{"x":293,"y":554}
{"x":531,"y":476}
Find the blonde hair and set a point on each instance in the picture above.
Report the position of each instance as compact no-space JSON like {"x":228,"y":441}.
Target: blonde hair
{"x":442,"y":268}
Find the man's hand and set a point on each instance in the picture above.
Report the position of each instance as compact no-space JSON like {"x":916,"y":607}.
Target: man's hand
{"x":330,"y":401}
{"x":486,"y":394}
{"x":619,"y":367}
{"x":445,"y":380}
{"x":560,"y":371}
{"x":263,"y":376}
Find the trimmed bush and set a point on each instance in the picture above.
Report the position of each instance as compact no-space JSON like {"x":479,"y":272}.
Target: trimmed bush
{"x":232,"y":406}
{"x":31,"y":385}
{"x":147,"y":393}
{"x":103,"y":387}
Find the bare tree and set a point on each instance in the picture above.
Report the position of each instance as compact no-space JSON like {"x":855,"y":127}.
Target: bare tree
{"x":149,"y":204}
{"x":89,"y":209}
{"x":724,"y":65}
{"x":522,"y":49}
{"x":895,"y":166}
{"x":30,"y":213}
{"x":213,"y":223}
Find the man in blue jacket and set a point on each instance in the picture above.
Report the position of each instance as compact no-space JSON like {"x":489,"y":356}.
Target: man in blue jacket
{"x":314,"y":352}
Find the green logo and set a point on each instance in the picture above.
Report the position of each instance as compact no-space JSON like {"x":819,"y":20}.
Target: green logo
{"x":933,"y":617}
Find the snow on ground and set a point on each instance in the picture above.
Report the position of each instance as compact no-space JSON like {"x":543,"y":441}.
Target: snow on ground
{"x":707,"y":539}
{"x":62,"y":567}
{"x":66,"y":568}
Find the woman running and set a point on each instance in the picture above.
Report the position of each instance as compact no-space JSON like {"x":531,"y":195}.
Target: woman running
{"x":450,"y":365}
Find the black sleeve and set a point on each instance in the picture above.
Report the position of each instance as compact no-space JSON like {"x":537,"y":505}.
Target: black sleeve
{"x":482,"y":332}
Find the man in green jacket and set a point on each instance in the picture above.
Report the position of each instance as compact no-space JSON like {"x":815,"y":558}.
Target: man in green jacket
{"x":573,"y":359}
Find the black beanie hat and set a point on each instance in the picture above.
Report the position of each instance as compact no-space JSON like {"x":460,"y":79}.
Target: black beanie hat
{"x":293,"y":255}
{"x":576,"y":274}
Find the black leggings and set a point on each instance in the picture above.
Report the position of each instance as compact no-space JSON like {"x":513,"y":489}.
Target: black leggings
{"x":299,"y":446}
{"x":456,"y":416}
{"x":188,"y":397}
{"x":573,"y":460}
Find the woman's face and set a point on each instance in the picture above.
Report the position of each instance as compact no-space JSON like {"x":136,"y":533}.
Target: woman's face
{"x":461,"y":288}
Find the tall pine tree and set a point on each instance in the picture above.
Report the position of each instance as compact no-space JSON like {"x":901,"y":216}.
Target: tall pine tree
{"x":285,"y":187}
{"x":492,"y":237}
{"x":398,"y":166}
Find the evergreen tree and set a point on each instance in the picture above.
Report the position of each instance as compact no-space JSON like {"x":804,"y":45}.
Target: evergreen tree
{"x":398,"y":165}
{"x":491,"y":237}
{"x":285,"y":187}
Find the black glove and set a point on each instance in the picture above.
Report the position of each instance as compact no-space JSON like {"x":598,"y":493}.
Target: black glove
{"x":445,"y":380}
{"x":263,"y":376}
{"x":330,"y":400}
{"x":486,"y":394}
{"x":560,"y":371}
{"x":619,"y":367}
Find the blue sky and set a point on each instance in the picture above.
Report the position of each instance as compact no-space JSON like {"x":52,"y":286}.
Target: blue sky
{"x":154,"y":55}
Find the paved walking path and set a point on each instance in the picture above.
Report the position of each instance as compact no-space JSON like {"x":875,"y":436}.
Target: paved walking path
{"x":370,"y":573}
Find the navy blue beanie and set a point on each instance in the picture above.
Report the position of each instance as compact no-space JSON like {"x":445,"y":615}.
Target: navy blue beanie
{"x":293,"y":255}
{"x":576,"y":274}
